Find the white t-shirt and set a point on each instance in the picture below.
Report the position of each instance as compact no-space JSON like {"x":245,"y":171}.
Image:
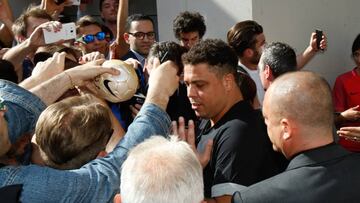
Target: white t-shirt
{"x":254,"y":74}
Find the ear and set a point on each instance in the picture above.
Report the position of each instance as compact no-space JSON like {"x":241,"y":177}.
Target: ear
{"x":268,"y":72}
{"x":117,"y":198}
{"x":228,"y":81}
{"x":126,"y":37}
{"x":248,"y":53}
{"x":287,"y":129}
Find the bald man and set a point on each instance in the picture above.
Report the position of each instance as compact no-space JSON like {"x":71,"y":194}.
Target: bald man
{"x":299,"y":117}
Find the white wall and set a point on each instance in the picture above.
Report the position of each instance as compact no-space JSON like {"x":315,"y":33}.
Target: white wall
{"x":219,"y":15}
{"x":292,"y":21}
{"x":289,"y":21}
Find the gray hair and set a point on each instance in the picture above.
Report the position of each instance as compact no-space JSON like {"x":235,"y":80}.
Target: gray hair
{"x":161,"y":170}
{"x":280,"y":57}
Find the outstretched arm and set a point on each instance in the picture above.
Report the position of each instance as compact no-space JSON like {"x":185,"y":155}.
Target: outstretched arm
{"x":52,"y":89}
{"x":6,"y":17}
{"x":310,"y":51}
{"x":119,"y":47}
{"x":17,"y":54}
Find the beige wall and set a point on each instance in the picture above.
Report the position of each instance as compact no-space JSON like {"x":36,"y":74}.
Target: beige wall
{"x":292,"y":21}
{"x":289,"y":21}
{"x":220,"y":15}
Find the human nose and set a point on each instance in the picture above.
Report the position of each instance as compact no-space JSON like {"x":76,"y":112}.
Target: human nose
{"x":191,"y":92}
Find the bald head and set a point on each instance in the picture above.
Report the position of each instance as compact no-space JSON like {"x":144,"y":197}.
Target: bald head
{"x":304,"y":97}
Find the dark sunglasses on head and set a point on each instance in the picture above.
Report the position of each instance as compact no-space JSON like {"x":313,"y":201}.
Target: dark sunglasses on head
{"x":141,"y":35}
{"x":91,"y":38}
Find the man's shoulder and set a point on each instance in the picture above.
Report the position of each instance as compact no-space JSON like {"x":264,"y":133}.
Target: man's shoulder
{"x":306,"y":182}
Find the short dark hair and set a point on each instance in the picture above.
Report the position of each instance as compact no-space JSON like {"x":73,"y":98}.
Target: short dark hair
{"x":247,"y":87}
{"x":242,"y":35}
{"x":136,"y":17}
{"x":189,"y":22}
{"x":172,"y":50}
{"x":280,"y":57}
{"x":356,"y":44}
{"x":220,"y":56}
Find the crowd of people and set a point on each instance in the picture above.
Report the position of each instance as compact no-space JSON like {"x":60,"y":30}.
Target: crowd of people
{"x":221,"y":122}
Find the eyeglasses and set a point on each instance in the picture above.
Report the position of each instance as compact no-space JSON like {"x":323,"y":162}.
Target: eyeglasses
{"x":141,"y":35}
{"x":91,"y":38}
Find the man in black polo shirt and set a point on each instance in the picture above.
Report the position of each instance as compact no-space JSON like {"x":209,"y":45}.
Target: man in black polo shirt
{"x":242,"y":152}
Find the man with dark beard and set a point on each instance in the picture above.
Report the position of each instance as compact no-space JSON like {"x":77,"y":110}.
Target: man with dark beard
{"x":248,"y":40}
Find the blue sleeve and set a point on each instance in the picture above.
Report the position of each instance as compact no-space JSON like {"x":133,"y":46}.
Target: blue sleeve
{"x":97,"y":181}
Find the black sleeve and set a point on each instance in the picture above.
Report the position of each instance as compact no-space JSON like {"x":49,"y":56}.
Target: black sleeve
{"x":10,"y":194}
{"x":7,"y":71}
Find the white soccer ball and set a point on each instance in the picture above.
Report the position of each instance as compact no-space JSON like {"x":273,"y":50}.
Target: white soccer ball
{"x":117,"y":88}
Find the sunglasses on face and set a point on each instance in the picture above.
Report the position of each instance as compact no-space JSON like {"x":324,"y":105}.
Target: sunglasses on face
{"x":91,"y":38}
{"x":141,"y":35}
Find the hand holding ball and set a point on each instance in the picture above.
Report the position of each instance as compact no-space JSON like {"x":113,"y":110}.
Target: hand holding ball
{"x":117,"y":88}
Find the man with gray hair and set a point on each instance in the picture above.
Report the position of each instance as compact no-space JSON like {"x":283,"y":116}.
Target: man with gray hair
{"x":277,"y":58}
{"x":161,"y":170}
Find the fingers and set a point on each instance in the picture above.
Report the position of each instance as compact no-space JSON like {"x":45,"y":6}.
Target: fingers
{"x":112,"y":50}
{"x":91,"y":57}
{"x":60,"y":58}
{"x":323,"y":42}
{"x":156,"y":63}
{"x":51,"y":26}
{"x":97,"y":62}
{"x":174,"y":129}
{"x":134,"y":109}
{"x":132,"y":62}
{"x":181,"y":128}
{"x":355,"y":129}
{"x":112,"y":71}
{"x":191,"y":133}
{"x":349,"y":131}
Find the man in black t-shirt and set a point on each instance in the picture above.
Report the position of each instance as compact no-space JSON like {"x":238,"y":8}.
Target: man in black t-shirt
{"x":242,"y":152}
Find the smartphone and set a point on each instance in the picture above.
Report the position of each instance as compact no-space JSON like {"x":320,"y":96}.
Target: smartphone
{"x":319,"y":35}
{"x":68,"y":31}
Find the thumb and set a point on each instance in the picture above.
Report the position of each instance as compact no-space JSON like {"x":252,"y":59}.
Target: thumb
{"x":97,"y":62}
{"x":355,"y":107}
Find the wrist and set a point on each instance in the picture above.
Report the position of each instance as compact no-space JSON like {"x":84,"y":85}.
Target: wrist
{"x":29,"y":46}
{"x":69,"y":84}
{"x":158,"y":99}
{"x":311,"y":50}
